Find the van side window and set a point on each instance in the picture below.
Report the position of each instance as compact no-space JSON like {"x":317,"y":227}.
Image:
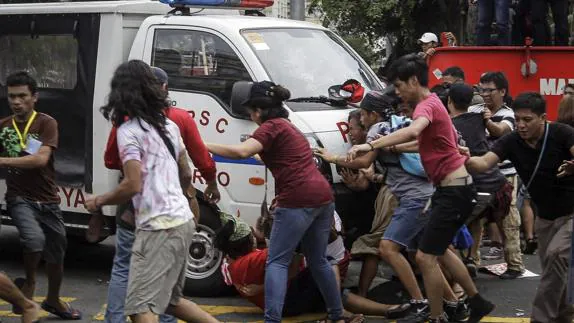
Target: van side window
{"x":198,"y":61}
{"x":50,"y":59}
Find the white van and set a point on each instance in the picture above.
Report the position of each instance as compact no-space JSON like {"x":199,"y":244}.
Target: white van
{"x":73,"y":49}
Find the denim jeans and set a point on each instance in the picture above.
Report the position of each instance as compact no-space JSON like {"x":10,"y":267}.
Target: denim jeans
{"x":119,"y":279}
{"x":311,"y":227}
{"x":489,"y":10}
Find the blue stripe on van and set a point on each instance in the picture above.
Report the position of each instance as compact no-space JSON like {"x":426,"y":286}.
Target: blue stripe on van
{"x":248,"y":161}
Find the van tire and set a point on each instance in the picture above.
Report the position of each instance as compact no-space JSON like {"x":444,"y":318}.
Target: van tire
{"x":203,"y":271}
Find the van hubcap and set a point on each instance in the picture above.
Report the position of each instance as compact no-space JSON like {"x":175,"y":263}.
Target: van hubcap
{"x":203,"y":258}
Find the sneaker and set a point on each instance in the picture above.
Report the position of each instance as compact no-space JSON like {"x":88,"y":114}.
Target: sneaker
{"x":479,"y":308}
{"x":470,"y":266}
{"x":511,"y":274}
{"x":530,"y":246}
{"x":458,"y":312}
{"x":494,"y":253}
{"x":419,"y":313}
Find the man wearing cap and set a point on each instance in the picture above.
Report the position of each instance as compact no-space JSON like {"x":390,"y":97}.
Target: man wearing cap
{"x":428,"y":43}
{"x":412,"y":192}
{"x":124,"y":218}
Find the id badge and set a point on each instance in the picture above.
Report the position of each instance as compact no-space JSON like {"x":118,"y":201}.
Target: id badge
{"x":33,"y":146}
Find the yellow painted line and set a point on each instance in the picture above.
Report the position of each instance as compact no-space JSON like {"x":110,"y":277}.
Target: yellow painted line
{"x":41,"y":299}
{"x":220,"y":310}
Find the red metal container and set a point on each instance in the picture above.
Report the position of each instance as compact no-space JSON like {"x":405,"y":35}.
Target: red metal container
{"x":549,"y":68}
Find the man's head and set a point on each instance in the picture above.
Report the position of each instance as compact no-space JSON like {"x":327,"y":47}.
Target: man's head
{"x":22,"y":94}
{"x":376,"y":107}
{"x":459,"y":97}
{"x":453,"y":74}
{"x":357,"y":131}
{"x":568,"y":89}
{"x":493,"y":89}
{"x":161,"y":76}
{"x":530,"y":114}
{"x":428,"y":40}
{"x":409,"y":75}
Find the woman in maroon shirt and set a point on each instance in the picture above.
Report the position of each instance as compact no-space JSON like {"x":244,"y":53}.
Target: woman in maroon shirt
{"x":305,"y":207}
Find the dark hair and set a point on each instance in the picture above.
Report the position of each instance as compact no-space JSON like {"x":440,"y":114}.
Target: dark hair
{"x":461,"y":96}
{"x":570,"y":85}
{"x":498,"y":78}
{"x":441,"y":90}
{"x":136,"y":93}
{"x":22,"y":78}
{"x":356,"y":114}
{"x":269,"y":97}
{"x":408,"y":66}
{"x":233,"y":249}
{"x":454,"y":71}
{"x":566,"y":110}
{"x":530,"y":100}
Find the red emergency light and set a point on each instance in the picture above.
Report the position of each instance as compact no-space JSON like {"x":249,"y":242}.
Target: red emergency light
{"x":236,"y":4}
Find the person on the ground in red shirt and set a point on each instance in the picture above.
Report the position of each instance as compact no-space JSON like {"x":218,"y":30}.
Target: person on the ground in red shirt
{"x":454,"y":197}
{"x":125,"y":228}
{"x":246,"y":271}
{"x":305,"y":204}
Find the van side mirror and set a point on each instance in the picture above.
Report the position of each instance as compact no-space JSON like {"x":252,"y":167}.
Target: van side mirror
{"x":240,"y":93}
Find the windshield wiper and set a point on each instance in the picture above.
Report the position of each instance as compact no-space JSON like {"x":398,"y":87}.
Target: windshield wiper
{"x":337,"y":102}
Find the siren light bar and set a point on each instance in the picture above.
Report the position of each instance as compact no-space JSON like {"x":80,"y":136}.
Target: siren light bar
{"x":251,"y":4}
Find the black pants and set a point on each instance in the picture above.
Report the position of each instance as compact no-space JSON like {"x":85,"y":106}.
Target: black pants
{"x":541,"y":32}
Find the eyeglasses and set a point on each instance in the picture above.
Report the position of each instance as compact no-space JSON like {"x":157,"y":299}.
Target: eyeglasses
{"x":486,"y":90}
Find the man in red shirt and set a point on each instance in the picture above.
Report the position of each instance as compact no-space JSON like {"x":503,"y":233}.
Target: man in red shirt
{"x":124,"y":219}
{"x":454,"y":196}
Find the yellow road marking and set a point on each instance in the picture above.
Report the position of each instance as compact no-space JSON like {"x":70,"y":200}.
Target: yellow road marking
{"x":41,"y":299}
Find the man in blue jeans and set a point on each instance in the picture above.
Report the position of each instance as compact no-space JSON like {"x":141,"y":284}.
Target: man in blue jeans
{"x":125,"y":229}
{"x":490,"y":11}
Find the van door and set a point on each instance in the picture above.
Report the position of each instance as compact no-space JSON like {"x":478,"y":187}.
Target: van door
{"x":202,"y":66}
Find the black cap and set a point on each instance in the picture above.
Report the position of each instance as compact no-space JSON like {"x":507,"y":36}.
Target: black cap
{"x":380,"y":103}
{"x":258,"y":90}
{"x":160,"y":74}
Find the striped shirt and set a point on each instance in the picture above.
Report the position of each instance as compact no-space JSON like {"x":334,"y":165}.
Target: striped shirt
{"x":503,"y":115}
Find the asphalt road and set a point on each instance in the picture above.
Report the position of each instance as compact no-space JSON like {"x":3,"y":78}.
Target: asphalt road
{"x":88,"y":269}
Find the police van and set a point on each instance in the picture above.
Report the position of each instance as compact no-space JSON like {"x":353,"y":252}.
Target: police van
{"x":72,"y":49}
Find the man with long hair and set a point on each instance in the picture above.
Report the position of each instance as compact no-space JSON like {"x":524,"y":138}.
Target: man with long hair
{"x":156,"y":175}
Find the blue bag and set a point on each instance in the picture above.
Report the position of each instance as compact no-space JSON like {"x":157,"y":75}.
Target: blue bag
{"x":410,"y":162}
{"x":463,"y":239}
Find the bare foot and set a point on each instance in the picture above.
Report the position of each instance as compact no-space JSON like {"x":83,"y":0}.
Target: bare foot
{"x":31,"y":312}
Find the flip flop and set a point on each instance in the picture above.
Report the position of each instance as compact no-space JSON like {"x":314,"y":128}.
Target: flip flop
{"x":353,"y":318}
{"x":19,"y":282}
{"x":71,"y":314}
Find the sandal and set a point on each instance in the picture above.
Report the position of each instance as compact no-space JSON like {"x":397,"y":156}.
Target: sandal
{"x":70,"y":314}
{"x":353,"y":318}
{"x":19,"y":282}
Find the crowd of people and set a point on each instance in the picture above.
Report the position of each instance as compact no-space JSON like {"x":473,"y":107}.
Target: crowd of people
{"x":448,"y":163}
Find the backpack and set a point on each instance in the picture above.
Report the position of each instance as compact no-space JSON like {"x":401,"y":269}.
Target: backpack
{"x":410,"y":162}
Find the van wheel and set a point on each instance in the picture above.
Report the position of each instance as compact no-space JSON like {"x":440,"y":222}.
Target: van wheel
{"x":203,"y":273}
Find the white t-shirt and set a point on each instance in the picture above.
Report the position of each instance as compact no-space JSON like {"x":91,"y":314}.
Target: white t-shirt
{"x":336,"y":249}
{"x":161,"y":203}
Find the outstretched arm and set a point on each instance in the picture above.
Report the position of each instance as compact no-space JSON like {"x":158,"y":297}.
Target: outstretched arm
{"x":480,"y":164}
{"x":243,"y":150}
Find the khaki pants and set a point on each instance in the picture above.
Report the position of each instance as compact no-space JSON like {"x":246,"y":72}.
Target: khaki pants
{"x":554,"y":243}
{"x":511,"y":227}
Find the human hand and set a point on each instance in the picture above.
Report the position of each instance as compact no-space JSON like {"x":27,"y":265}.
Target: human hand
{"x":212,"y":193}
{"x":451,"y":38}
{"x":348,"y":176}
{"x":326,"y":155}
{"x":250,"y":290}
{"x":352,"y":154}
{"x":91,"y":205}
{"x":486,"y":114}
{"x":566,"y":169}
{"x":465,"y":151}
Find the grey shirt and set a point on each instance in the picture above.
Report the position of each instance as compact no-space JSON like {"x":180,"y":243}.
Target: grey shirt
{"x":401,"y":183}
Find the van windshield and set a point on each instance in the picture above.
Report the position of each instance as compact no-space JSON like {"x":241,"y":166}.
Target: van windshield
{"x":307,"y":61}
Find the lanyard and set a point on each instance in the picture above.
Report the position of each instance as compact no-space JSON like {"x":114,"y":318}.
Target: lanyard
{"x":22,"y":136}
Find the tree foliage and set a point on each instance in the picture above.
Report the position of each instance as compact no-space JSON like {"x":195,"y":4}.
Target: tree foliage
{"x":402,"y":21}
